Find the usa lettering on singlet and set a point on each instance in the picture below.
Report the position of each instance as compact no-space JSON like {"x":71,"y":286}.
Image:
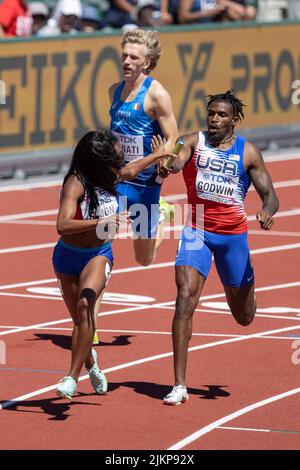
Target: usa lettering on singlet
{"x":217,"y":180}
{"x":135,"y":129}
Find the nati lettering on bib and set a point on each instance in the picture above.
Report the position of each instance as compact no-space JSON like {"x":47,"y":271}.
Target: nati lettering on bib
{"x":132,"y":146}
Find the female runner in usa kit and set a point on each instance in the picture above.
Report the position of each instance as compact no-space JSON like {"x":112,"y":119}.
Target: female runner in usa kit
{"x":83,"y":258}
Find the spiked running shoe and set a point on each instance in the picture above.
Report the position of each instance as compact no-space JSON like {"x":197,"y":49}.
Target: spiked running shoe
{"x":95,"y":338}
{"x":177,"y":395}
{"x":166,"y":210}
{"x":66,"y":387}
{"x":97,"y":378}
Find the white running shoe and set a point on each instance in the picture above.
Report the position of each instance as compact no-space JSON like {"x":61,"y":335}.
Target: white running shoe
{"x":177,"y":395}
{"x":66,"y":387}
{"x":97,"y":378}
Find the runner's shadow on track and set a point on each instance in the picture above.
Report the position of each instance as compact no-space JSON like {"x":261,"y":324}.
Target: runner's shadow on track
{"x":64,"y":341}
{"x":55,"y":407}
{"x":157,"y":391}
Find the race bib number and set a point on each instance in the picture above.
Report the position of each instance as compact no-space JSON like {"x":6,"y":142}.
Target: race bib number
{"x":216,"y":187}
{"x":132,"y":146}
{"x":107,"y":205}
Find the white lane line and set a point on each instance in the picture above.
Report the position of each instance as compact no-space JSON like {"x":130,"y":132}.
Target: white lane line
{"x":26,"y":186}
{"x":30,"y":222}
{"x":68,"y":320}
{"x":247,"y":409}
{"x":29,"y":283}
{"x":27,"y":215}
{"x":231,"y":428}
{"x":166,"y":333}
{"x":58,"y":182}
{"x":175,"y":197}
{"x":220,"y":312}
{"x":280,"y":431}
{"x":289,"y":213}
{"x":14,"y":401}
{"x":276,"y":184}
{"x":149,"y":306}
{"x":30,"y":296}
{"x":278,"y":215}
{"x":18,"y":249}
{"x":273,"y":249}
{"x":282,"y":158}
{"x":274,"y":233}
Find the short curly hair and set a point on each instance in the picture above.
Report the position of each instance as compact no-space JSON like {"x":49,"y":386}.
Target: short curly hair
{"x":151,"y":41}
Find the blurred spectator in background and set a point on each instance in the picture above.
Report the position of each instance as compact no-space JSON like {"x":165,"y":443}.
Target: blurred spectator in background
{"x":293,"y":8}
{"x":164,"y":8}
{"x":121,"y":13}
{"x":171,"y":7}
{"x":149,"y":13}
{"x":65,"y":19}
{"x":91,"y":19}
{"x":153,"y":13}
{"x":200,"y":11}
{"x":15,"y":18}
{"x":40,"y":15}
{"x":273,"y":10}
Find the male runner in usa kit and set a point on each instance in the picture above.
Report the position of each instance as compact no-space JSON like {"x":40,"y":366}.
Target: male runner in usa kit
{"x":218,"y":167}
{"x":140,"y":108}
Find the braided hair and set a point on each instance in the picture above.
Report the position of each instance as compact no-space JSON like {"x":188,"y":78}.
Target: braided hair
{"x":92,"y":158}
{"x":228,"y":97}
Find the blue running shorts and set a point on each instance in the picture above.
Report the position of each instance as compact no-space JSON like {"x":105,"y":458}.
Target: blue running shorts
{"x":143,"y":203}
{"x":68,"y":259}
{"x":231,"y":255}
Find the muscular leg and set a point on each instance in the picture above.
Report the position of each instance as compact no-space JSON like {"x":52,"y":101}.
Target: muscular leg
{"x":145,"y":249}
{"x":69,"y":291}
{"x":80,"y":296}
{"x":189,"y":286}
{"x":91,"y":284}
{"x":242,"y":303}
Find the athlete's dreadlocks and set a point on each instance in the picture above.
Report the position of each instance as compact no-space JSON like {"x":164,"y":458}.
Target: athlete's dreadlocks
{"x":228,"y":97}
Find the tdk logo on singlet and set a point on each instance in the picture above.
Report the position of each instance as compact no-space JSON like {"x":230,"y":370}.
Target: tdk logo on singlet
{"x":218,"y":165}
{"x":128,"y":139}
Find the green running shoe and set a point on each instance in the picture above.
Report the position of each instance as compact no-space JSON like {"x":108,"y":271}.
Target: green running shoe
{"x":166,"y":210}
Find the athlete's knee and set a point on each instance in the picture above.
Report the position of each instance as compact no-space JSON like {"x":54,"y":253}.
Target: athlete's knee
{"x":185,"y":304}
{"x":82,"y":309}
{"x":246,"y":317}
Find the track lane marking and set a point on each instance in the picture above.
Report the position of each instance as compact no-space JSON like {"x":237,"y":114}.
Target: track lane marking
{"x":149,"y":306}
{"x":283,"y":431}
{"x":126,"y":365}
{"x":215,"y":424}
{"x":149,"y":332}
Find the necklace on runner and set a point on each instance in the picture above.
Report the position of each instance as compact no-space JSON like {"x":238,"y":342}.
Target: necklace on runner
{"x":227,"y":140}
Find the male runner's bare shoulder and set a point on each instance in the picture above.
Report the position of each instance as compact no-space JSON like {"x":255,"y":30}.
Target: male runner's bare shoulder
{"x":157,"y":101}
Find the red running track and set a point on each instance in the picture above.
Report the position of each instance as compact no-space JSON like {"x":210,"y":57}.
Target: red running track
{"x":243,"y":382}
